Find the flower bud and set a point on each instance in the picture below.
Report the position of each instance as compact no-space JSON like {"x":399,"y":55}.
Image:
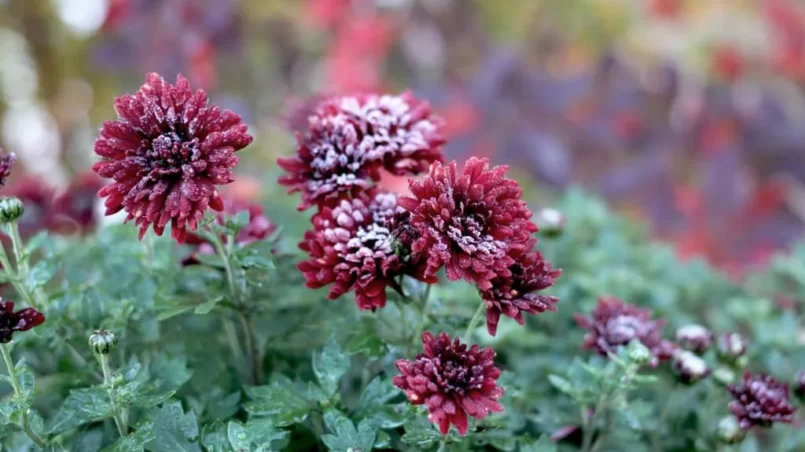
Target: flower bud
{"x":689,"y":367}
{"x":103,"y":342}
{"x":551,"y":222}
{"x":732,"y":348}
{"x":799,"y":385}
{"x":11,"y":209}
{"x":695,"y":338}
{"x":638,"y":353}
{"x":729,"y":431}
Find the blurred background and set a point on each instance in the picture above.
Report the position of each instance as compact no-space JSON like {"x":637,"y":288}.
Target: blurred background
{"x":688,"y":115}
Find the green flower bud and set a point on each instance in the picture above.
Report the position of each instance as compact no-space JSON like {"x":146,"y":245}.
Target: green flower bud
{"x":11,"y":209}
{"x":103,"y":342}
{"x":729,"y":432}
{"x":638,"y":353}
{"x":117,"y":380}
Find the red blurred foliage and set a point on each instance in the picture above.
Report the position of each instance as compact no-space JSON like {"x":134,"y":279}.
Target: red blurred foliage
{"x":728,"y":62}
{"x":666,"y":9}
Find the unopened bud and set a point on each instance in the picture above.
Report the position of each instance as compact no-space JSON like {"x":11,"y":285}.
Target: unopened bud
{"x":729,"y":431}
{"x":638,"y":353}
{"x":11,"y":209}
{"x":732,"y":348}
{"x":103,"y":342}
{"x":689,"y":367}
{"x":695,"y":338}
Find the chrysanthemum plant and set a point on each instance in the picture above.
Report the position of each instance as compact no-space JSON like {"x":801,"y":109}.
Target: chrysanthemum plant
{"x":237,"y":330}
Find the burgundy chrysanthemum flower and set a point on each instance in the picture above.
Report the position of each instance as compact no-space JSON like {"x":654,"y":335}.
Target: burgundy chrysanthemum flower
{"x":760,"y":400}
{"x":74,"y":209}
{"x":615,"y":324}
{"x":352,"y":247}
{"x":166,"y":154}
{"x":259,"y":228}
{"x":514,"y":295}
{"x":471,"y":222}
{"x":22,"y":320}
{"x":452,"y":380}
{"x":349,"y":139}
{"x":6,"y":162}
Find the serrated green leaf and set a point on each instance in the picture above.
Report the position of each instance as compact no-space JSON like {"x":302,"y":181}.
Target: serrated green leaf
{"x":82,"y":406}
{"x":171,"y":371}
{"x":279,"y":401}
{"x":26,"y":379}
{"x":330,"y":365}
{"x":420,"y":433}
{"x":544,"y":444}
{"x":207,"y":306}
{"x":136,"y":441}
{"x":345,"y":436}
{"x":256,"y":435}
{"x":174,"y":430}
{"x":214,"y":437}
{"x":377,"y":392}
{"x":34,"y":243}
{"x":40,"y":274}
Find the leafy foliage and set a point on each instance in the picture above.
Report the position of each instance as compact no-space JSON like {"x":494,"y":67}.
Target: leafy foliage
{"x":181,"y":379}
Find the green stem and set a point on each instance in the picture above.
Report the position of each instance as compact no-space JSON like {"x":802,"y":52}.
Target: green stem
{"x":37,"y":298}
{"x":253,"y":356}
{"x":12,"y":376}
{"x":118,"y":415}
{"x":474,"y":322}
{"x":656,"y":438}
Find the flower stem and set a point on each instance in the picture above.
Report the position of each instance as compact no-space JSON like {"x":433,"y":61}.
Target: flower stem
{"x":254,"y":357}
{"x":12,"y":376}
{"x":37,"y":298}
{"x":474,"y":322}
{"x":119,"y":415}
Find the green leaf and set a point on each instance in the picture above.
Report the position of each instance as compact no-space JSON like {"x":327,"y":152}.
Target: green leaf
{"x":420,"y":433}
{"x":330,"y":365}
{"x":544,"y":444}
{"x":207,"y":306}
{"x":256,"y":255}
{"x":34,"y":243}
{"x":279,"y":401}
{"x":377,"y":392}
{"x":346,"y":437}
{"x":26,"y":379}
{"x":171,"y":371}
{"x":256,"y":435}
{"x":134,"y":442}
{"x":561,"y":384}
{"x":214,"y":437}
{"x":40,"y":275}
{"x":174,"y":430}
{"x":82,"y":406}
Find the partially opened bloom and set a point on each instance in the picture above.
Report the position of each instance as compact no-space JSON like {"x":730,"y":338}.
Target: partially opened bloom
{"x":167,"y":152}
{"x":760,"y":400}
{"x":695,"y":338}
{"x":259,"y":227}
{"x":470,"y":221}
{"x":22,"y":320}
{"x":352,"y":248}
{"x":615,"y":324}
{"x":513,"y":295}
{"x":349,"y":139}
{"x":453,"y":380}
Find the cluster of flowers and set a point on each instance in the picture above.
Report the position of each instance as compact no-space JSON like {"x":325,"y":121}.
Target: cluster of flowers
{"x":470,"y":221}
{"x":759,"y":400}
